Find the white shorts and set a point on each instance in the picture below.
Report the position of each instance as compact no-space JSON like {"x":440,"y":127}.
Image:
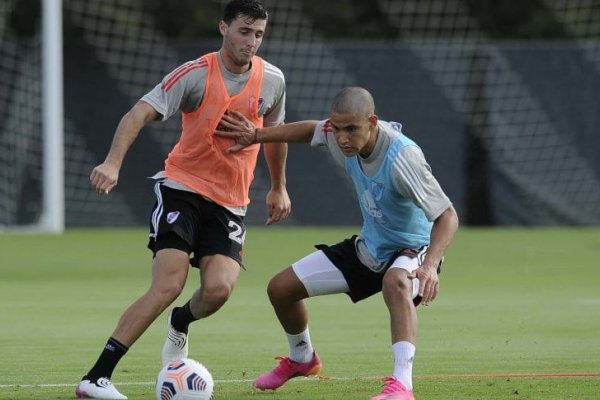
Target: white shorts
{"x":320,"y":276}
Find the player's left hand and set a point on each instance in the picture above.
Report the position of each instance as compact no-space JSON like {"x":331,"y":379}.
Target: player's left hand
{"x":279,"y":205}
{"x":104,"y":178}
{"x":429,"y":282}
{"x":236,"y":126}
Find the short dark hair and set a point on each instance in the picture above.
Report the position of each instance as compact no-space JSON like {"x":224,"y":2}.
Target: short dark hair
{"x":353,"y":100}
{"x":252,"y":9}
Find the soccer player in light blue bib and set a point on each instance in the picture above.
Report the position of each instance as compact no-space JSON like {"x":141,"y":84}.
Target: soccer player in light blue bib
{"x":408,"y":223}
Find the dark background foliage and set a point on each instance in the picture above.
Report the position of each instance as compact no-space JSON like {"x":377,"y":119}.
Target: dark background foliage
{"x":189,"y":19}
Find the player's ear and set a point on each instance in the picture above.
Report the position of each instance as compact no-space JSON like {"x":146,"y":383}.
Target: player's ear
{"x":223,"y":27}
{"x":373,"y":120}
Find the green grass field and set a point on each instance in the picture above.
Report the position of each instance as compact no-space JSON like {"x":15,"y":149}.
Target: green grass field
{"x":518,"y":317}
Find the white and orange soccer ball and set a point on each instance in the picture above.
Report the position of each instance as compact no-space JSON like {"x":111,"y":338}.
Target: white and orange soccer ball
{"x":184,"y":379}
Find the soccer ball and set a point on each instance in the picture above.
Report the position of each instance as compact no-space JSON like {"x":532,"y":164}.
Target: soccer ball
{"x":184,"y":379}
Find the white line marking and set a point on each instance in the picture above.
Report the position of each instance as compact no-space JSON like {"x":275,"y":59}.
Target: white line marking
{"x":46,"y":385}
{"x":341,"y":378}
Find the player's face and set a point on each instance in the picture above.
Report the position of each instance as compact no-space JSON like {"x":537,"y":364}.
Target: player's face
{"x":241,"y":40}
{"x":354,"y":134}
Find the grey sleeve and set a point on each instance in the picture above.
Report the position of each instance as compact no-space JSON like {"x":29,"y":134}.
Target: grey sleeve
{"x":323,"y":136}
{"x":412,"y":177}
{"x":178,"y":92}
{"x":273,"y":96}
{"x":275,"y":115}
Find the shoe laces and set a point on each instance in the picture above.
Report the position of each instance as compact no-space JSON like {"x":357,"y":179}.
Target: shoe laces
{"x":392,"y":385}
{"x":286,"y":365}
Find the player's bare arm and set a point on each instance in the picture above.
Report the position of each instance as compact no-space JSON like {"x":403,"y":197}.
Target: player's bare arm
{"x":442,"y":233}
{"x":105,"y":176}
{"x":236,"y":126}
{"x":278,"y":201}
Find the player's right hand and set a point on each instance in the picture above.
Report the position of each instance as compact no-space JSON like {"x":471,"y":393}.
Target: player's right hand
{"x":429,"y":282}
{"x":235,"y":125}
{"x":104,"y":178}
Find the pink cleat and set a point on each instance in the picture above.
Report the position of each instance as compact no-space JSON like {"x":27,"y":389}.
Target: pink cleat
{"x":394,"y":390}
{"x":286,"y":370}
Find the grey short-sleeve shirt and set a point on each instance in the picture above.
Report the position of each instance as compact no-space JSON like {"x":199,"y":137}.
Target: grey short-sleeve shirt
{"x":183,"y":90}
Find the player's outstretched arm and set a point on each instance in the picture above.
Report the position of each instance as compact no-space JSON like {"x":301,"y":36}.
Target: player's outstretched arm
{"x":105,"y":176}
{"x":236,"y":126}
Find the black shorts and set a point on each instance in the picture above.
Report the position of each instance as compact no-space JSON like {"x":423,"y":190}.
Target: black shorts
{"x":362,"y":281}
{"x":191,"y":223}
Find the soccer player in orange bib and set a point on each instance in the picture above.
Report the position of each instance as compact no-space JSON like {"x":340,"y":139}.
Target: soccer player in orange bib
{"x":202,"y":194}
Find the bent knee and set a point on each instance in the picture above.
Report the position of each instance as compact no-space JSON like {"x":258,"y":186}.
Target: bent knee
{"x":167,"y":292}
{"x":285,"y":289}
{"x":274,"y":292}
{"x":397,"y":284}
{"x":216,"y":294}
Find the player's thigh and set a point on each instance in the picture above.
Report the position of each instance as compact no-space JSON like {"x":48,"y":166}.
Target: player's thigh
{"x":319,"y":275}
{"x":405,"y":264}
{"x":170,"y":269}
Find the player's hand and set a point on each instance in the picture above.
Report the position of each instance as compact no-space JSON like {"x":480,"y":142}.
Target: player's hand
{"x":279,"y":205}
{"x":104,"y":178}
{"x":429,"y":282}
{"x":235,"y":125}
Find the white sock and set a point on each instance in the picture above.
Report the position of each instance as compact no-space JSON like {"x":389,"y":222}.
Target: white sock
{"x":404,"y":353}
{"x":301,"y":349}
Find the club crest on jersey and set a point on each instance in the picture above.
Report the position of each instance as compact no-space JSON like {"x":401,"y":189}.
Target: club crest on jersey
{"x":377,"y":190}
{"x":252,"y":101}
{"x":172,"y":216}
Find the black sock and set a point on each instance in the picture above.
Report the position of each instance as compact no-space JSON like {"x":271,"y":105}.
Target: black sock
{"x":182,"y":317}
{"x":108,"y":360}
